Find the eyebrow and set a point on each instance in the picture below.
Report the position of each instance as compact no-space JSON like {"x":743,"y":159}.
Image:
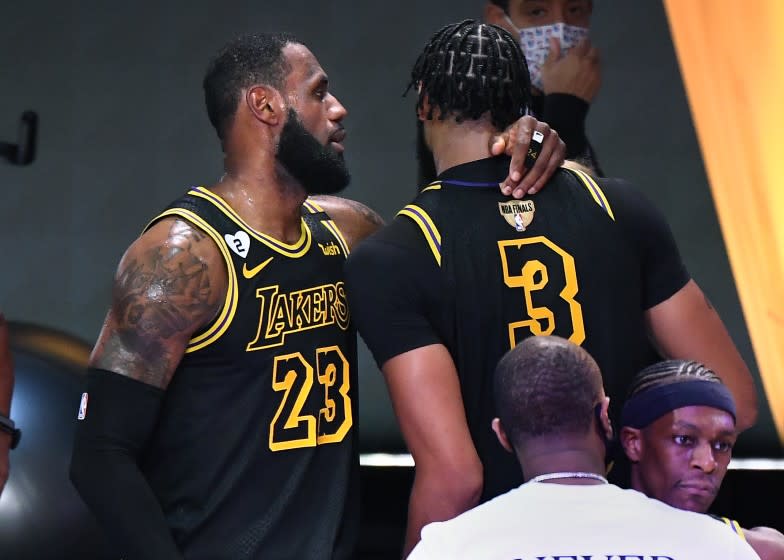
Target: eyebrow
{"x":690,"y":426}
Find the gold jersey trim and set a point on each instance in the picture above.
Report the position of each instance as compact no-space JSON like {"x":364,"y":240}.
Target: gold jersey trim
{"x":735,"y":526}
{"x":295,"y":250}
{"x":313,"y":207}
{"x":594,"y":189}
{"x":226,"y":315}
{"x":429,"y":229}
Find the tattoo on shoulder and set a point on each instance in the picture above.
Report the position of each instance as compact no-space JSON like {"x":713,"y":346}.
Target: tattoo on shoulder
{"x":368,"y":214}
{"x":159,"y":296}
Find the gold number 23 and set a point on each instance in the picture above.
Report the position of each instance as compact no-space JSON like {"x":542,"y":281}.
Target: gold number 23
{"x":293,"y":376}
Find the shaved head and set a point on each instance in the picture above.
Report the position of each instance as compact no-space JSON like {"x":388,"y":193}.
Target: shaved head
{"x":546,"y":385}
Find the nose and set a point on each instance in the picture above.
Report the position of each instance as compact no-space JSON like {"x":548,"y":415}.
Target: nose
{"x":337,"y":112}
{"x":703,"y":458}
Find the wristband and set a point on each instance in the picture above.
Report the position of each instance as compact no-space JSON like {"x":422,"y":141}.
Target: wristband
{"x":7,"y":425}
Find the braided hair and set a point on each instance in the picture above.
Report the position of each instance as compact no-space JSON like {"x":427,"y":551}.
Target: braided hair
{"x":470,"y":68}
{"x":670,"y":371}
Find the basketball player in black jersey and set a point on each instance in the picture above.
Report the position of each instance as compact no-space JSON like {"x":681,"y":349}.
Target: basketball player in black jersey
{"x":220,"y":417}
{"x":462,"y":274}
{"x":678,"y":431}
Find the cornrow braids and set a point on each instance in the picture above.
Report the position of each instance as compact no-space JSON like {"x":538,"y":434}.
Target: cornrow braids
{"x":670,"y":371}
{"x":470,"y":68}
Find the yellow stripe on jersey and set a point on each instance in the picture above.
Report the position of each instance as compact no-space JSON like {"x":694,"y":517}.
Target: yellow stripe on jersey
{"x":738,"y":529}
{"x":313,"y":207}
{"x":735,"y":526}
{"x":429,"y":229}
{"x":295,"y":250}
{"x":595,"y":190}
{"x":434,"y":186}
{"x":226,"y":315}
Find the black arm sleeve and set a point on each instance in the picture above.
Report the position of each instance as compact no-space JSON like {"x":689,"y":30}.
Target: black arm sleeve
{"x":393,"y":292}
{"x":121,"y":414}
{"x":663,"y":272}
{"x":566,"y":114}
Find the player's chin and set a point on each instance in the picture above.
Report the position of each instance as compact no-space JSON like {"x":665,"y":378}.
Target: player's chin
{"x":694,"y":500}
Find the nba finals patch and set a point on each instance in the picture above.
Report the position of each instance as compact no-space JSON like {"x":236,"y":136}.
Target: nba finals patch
{"x":518,"y":213}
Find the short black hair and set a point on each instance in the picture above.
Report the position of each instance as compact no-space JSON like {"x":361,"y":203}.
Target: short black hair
{"x":670,"y":371}
{"x":470,"y":68}
{"x":546,"y":385}
{"x":241,"y":63}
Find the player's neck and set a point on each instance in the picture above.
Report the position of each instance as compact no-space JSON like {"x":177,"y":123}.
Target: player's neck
{"x":264,"y":195}
{"x":455,"y":143}
{"x":558,"y":455}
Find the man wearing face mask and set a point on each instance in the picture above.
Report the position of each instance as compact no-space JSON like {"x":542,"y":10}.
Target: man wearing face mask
{"x":564,"y":66}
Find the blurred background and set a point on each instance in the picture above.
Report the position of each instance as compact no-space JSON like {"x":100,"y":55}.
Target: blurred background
{"x":123,"y":131}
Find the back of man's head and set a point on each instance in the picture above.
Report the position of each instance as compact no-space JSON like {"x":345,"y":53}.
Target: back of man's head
{"x":246,"y":61}
{"x":546,"y":386}
{"x":470,"y":68}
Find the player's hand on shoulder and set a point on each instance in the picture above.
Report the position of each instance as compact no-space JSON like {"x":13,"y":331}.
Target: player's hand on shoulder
{"x":354,"y":220}
{"x":516,"y":141}
{"x":171,"y":282}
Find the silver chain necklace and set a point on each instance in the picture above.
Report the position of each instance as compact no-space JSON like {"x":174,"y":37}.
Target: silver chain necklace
{"x":578,"y":474}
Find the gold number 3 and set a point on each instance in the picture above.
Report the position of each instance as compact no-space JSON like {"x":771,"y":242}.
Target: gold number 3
{"x":522,"y":269}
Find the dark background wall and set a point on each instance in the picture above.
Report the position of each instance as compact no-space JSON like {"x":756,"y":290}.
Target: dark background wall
{"x":123,"y":131}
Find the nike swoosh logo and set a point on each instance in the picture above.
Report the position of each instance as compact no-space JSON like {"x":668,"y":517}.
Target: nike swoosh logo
{"x":255,"y":270}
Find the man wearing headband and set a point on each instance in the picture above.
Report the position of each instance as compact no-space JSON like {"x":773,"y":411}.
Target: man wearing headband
{"x":552,"y":413}
{"x":678,"y":430}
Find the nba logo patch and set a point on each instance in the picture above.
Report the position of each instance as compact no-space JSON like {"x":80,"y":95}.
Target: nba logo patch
{"x":82,"y":407}
{"x":518,"y":213}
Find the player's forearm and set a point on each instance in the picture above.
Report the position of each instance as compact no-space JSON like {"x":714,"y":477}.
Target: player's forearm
{"x":438,"y":498}
{"x":115,"y":422}
{"x":115,"y":490}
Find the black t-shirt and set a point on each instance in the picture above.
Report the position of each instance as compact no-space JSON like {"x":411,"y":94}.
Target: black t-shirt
{"x":254,"y":454}
{"x":468,"y":268}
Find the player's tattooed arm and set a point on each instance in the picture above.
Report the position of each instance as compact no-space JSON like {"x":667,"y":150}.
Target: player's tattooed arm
{"x":170,"y":283}
{"x":355,"y":220}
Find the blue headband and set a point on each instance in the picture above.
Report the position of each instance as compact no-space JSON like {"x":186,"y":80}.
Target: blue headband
{"x":643,"y":408}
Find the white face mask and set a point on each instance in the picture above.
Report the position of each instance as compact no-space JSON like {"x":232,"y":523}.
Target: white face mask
{"x":535,"y":42}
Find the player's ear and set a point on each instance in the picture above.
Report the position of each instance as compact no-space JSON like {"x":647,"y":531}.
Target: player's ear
{"x":265,"y":103}
{"x":631,"y":440}
{"x":604,"y":418}
{"x":500,"y":433}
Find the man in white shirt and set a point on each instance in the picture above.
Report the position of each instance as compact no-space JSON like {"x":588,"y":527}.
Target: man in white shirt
{"x":552,"y":413}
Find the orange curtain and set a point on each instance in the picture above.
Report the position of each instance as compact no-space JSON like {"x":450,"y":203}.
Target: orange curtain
{"x":731,"y":56}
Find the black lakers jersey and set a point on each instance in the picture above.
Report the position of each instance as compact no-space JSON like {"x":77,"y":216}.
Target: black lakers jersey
{"x":483,"y":271}
{"x":254,"y":455}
